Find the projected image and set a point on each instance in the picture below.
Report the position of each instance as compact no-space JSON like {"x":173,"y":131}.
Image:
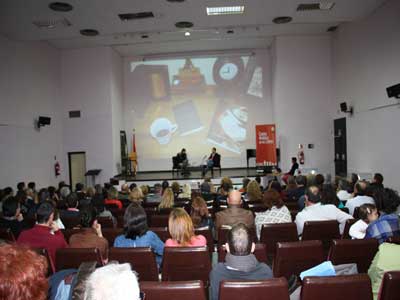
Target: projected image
{"x":196,"y":103}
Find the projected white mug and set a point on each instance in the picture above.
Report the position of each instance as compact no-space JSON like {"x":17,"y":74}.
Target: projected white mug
{"x":233,"y":123}
{"x":162,"y":129}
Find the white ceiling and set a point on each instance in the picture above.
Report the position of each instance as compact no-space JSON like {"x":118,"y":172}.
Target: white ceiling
{"x":253,"y":29}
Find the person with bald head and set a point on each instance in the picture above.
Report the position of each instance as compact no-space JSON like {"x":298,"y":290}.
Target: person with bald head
{"x":234,"y":214}
{"x":360,"y":197}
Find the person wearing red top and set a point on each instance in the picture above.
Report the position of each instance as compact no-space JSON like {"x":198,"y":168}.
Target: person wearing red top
{"x":45,"y":234}
{"x":112,"y":198}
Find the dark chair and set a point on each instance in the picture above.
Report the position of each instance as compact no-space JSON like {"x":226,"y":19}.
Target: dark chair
{"x":296,"y":257}
{"x":271,"y":234}
{"x":344,"y":209}
{"x":293,"y":213}
{"x":325,"y":231}
{"x":176,"y":164}
{"x":71,"y":258}
{"x":193,"y":290}
{"x":394,"y":240}
{"x":71,"y":221}
{"x":356,"y":212}
{"x":69,"y":232}
{"x":390,"y":286}
{"x":361,"y":252}
{"x":162,"y":232}
{"x":186,"y":263}
{"x":111,"y":233}
{"x":347,"y":225}
{"x":256,"y":206}
{"x":106,"y":222}
{"x":206,"y":232}
{"x":269,"y":289}
{"x":159,"y":220}
{"x":50,"y":265}
{"x":349,"y":287}
{"x":217,"y":164}
{"x":142,"y":260}
{"x":112,"y":207}
{"x":7,"y":235}
{"x":259,"y":252}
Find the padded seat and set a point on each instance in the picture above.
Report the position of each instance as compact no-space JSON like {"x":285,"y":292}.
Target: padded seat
{"x":361,"y":252}
{"x":50,"y":265}
{"x":142,"y":260}
{"x":259,"y":252}
{"x":162,"y":232}
{"x":347,"y":225}
{"x":271,"y":234}
{"x":71,"y":258}
{"x":296,"y":257}
{"x":159,"y":220}
{"x":106,"y":222}
{"x":325,"y":231}
{"x":69,"y":232}
{"x":390,"y":286}
{"x":206,"y":232}
{"x":394,"y":240}
{"x":71,"y":221}
{"x":186,"y":263}
{"x":349,"y":287}
{"x":269,"y":289}
{"x":171,"y":290}
{"x":7,"y":235}
{"x":111,"y":233}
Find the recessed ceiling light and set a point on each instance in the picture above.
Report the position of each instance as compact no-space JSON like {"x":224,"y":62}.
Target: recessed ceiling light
{"x":230,"y":31}
{"x":225,"y":10}
{"x":60,"y":6}
{"x":282,"y":20}
{"x":176,"y":1}
{"x":184,"y":24}
{"x":89,"y":32}
{"x":144,"y":36}
{"x":187,"y":33}
{"x":315,"y":6}
{"x":332,"y":29}
{"x":326,"y":5}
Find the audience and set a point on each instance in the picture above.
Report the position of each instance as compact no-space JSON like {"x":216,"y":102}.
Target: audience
{"x":367,"y":214}
{"x":359,"y":197}
{"x":22,"y":274}
{"x":46,"y":233}
{"x":199,"y":214}
{"x":314,"y":211}
{"x":12,"y":217}
{"x":137,"y":234}
{"x":276,"y":211}
{"x":181,"y":229}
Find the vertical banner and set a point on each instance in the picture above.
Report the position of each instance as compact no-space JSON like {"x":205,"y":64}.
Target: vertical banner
{"x":266,"y":144}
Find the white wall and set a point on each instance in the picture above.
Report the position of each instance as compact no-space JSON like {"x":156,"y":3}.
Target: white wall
{"x":30,"y":86}
{"x":366,"y":57}
{"x":302,"y":96}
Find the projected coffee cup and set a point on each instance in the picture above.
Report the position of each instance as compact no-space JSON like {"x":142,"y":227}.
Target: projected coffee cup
{"x":233,"y":122}
{"x":162,"y":129}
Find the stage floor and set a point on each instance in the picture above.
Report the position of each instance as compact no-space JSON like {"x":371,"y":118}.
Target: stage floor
{"x":194,"y":175}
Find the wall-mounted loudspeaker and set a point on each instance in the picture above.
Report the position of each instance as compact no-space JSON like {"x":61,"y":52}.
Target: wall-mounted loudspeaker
{"x":393,"y":91}
{"x":43,"y":121}
{"x":345,"y":109}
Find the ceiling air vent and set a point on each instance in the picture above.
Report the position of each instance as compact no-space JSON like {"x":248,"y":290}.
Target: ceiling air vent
{"x":315,"y":6}
{"x":136,"y":16}
{"x":49,"y":24}
{"x":74,"y":114}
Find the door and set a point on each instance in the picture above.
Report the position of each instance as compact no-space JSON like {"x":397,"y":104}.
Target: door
{"x":340,"y":147}
{"x":77,"y":168}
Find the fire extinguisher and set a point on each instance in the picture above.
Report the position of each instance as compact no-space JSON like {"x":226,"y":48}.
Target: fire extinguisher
{"x":57,"y":169}
{"x":300,"y":154}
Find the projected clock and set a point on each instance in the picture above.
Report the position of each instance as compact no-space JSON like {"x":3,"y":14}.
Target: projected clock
{"x":228,"y":71}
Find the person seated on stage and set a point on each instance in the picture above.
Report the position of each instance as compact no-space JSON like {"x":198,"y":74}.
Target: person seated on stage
{"x":112,"y":198}
{"x":181,"y":229}
{"x":211,"y":161}
{"x":183,"y":160}
{"x":253,"y":192}
{"x":167,"y":201}
{"x":292,"y":171}
{"x":186,"y":192}
{"x":200,"y":215}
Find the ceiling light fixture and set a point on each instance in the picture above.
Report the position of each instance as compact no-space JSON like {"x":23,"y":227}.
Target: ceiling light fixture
{"x":184,"y":24}
{"x":187,"y":33}
{"x":225,"y":10}
{"x":89,"y":32}
{"x":326,"y":5}
{"x":282,"y":20}
{"x":60,"y":6}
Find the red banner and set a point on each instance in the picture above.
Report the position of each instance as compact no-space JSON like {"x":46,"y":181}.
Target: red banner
{"x":266,"y":144}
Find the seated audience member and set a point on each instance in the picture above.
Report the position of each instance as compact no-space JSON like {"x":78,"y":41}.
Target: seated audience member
{"x":29,"y":205}
{"x":112,"y":198}
{"x":32,"y":186}
{"x":377,"y":181}
{"x":387,"y":224}
{"x":367,"y":214}
{"x":234,"y":214}
{"x":210,"y":184}
{"x":136,"y":195}
{"x":167,"y":200}
{"x":72,"y":204}
{"x":164,"y":185}
{"x":276,"y":211}
{"x":205,"y":187}
{"x":354,"y":178}
{"x":80,"y":190}
{"x":136,"y":232}
{"x":199,"y":214}
{"x":319,"y":181}
{"x":90,"y":235}
{"x":64,"y":193}
{"x":145,"y":191}
{"x":239,"y":263}
{"x":132,"y":186}
{"x":315,"y":211}
{"x":22,"y":274}
{"x":186,"y":192}
{"x":112,"y":282}
{"x":222,"y":196}
{"x":328,"y":196}
{"x":291,"y":184}
{"x":123,"y":195}
{"x":45,"y":234}
{"x":359,"y":197}
{"x":386,"y":259}
{"x":343,"y":190}
{"x":156,"y":197}
{"x":181,"y":229}
{"x":253,"y":191}
{"x":245,"y":182}
{"x":258,"y":179}
{"x":176,"y":188}
{"x":227,"y":182}
{"x":275,"y":185}
{"x":295,"y":194}
{"x":12,"y":217}
{"x":53,"y":195}
{"x":98,"y":203}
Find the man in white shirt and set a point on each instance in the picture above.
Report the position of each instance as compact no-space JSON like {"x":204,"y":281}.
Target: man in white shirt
{"x":315,"y":211}
{"x":360,"y":198}
{"x":343,"y":187}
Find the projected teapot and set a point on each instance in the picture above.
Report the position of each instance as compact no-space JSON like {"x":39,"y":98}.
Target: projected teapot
{"x":162,"y":130}
{"x":233,"y":122}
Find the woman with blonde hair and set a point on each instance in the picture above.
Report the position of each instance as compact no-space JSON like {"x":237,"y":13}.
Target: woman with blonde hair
{"x":181,"y":229}
{"x":253,"y":191}
{"x":136,"y":195}
{"x":167,"y":199}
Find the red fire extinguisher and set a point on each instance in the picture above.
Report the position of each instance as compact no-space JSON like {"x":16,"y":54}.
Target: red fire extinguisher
{"x":57,"y":169}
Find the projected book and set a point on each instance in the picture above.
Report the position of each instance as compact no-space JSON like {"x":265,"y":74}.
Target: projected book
{"x":187,"y":118}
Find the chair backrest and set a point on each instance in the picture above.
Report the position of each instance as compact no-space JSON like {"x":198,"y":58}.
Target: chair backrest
{"x":111,"y":233}
{"x":390,"y":286}
{"x":269,"y":289}
{"x":347,"y":225}
{"x":206,"y":232}
{"x":271,"y":234}
{"x":349,"y":287}
{"x":296,"y":257}
{"x":325,"y":231}
{"x":50,"y":265}
{"x":142,"y":260}
{"x":71,"y":221}
{"x":361,"y":252}
{"x":394,"y":240}
{"x":159,"y":220}
{"x":106,"y":222}
{"x":256,"y":206}
{"x":7,"y":235}
{"x":193,"y":290}
{"x":259,"y":252}
{"x":71,"y":258}
{"x":356,"y":212}
{"x":186,"y":263}
{"x":69,"y":232}
{"x":162,"y":232}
